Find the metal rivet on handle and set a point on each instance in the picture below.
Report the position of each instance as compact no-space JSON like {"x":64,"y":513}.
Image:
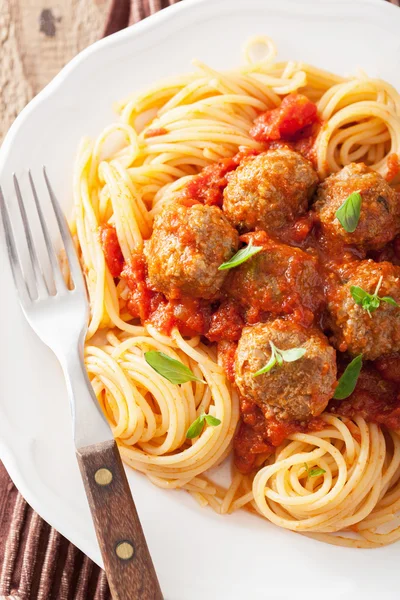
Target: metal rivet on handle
{"x":103,"y":476}
{"x":124,"y":550}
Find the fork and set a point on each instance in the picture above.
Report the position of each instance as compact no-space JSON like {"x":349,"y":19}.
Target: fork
{"x":59,"y":316}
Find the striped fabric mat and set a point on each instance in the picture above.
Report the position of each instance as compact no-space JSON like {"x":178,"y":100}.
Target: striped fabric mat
{"x":36,"y":562}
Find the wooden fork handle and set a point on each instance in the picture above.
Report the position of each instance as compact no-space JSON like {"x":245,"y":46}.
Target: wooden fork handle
{"x":127,"y":561}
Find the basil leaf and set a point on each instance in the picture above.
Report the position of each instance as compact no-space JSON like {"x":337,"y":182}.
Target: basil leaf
{"x":316,"y":471}
{"x":213,"y":421}
{"x":278,"y":357}
{"x":270,"y":365}
{"x":371,"y":303}
{"x":348,"y":380}
{"x":389,"y":300}
{"x":348,"y":213}
{"x":173,"y":370}
{"x":240,"y":257}
{"x":196,"y":427}
{"x":358,"y":294}
{"x":292,"y":354}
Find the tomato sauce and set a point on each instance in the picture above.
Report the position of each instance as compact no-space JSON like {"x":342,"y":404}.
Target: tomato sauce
{"x":142,"y":301}
{"x":208,"y":186}
{"x":291,"y":121}
{"x":155,"y":132}
{"x":226,"y":323}
{"x":390,"y":253}
{"x":258,"y":436}
{"x":375,"y":398}
{"x":112,"y":250}
{"x":226,"y":354}
{"x":393,"y":166}
{"x":190,"y":315}
{"x":389,"y":367}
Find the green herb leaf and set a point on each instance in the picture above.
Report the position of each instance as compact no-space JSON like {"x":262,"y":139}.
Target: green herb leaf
{"x":358,"y":294}
{"x":241,"y":256}
{"x":197,"y":426}
{"x":348,"y":380}
{"x":315,"y":472}
{"x":370,"y":302}
{"x":270,"y":364}
{"x":213,"y":421}
{"x":389,"y":300}
{"x":292,"y":354}
{"x":173,"y":370}
{"x":278,"y":357}
{"x":348,"y":213}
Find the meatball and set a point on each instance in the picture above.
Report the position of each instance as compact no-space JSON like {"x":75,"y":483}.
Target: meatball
{"x":187,"y":246}
{"x":296,"y":390}
{"x":269,"y":190}
{"x":379,"y":219}
{"x":280,"y":279}
{"x":354,"y":329}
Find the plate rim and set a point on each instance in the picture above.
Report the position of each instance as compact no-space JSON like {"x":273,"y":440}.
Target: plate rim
{"x":9,"y":457}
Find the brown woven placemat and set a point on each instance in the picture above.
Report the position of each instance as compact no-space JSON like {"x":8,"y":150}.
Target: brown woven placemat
{"x":36,"y":562}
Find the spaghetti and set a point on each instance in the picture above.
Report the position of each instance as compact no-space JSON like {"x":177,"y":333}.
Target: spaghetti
{"x":124,"y":178}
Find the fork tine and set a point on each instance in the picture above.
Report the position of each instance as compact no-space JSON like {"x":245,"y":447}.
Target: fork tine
{"x":19,"y":280}
{"x":57,"y":275}
{"x":66,"y":237}
{"x":36,"y":268}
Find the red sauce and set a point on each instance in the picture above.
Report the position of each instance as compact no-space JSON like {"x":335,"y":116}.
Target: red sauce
{"x":298,"y":232}
{"x":190,"y":315}
{"x":393,"y":166}
{"x":307,"y":145}
{"x":374,"y":398}
{"x":258,"y":435}
{"x":226,"y":354}
{"x":207,"y":187}
{"x":142,"y":301}
{"x":389,"y":367}
{"x":291,"y":121}
{"x":226,"y":323}
{"x":156,"y":132}
{"x":389,"y":253}
{"x":112,"y":250}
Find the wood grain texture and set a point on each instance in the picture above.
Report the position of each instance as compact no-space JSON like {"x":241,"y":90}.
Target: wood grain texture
{"x":119,"y":532}
{"x":37,"y":39}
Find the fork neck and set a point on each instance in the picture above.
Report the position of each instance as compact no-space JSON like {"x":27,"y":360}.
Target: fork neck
{"x":89,"y":424}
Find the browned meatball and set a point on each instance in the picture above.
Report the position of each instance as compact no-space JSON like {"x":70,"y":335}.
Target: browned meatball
{"x":353,"y":328}
{"x":269,"y":191}
{"x":187,"y":246}
{"x":379,"y":217}
{"x":280,"y":279}
{"x":296,"y":390}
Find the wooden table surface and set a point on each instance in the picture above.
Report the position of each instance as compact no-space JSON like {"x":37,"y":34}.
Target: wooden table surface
{"x":37,"y":38}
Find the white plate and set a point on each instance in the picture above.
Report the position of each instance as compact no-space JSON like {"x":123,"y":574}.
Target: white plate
{"x":197,"y":554}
